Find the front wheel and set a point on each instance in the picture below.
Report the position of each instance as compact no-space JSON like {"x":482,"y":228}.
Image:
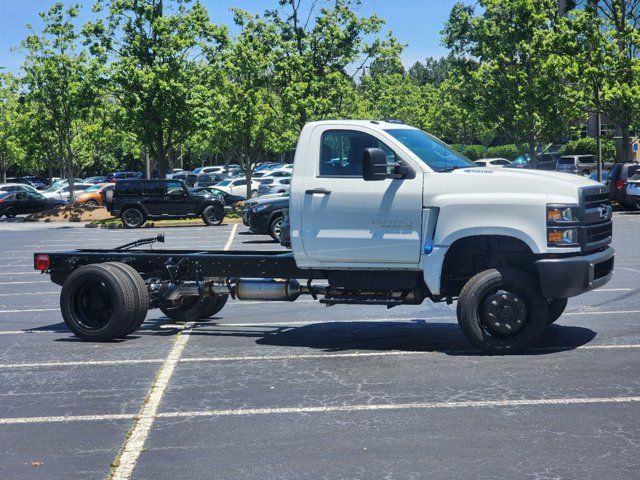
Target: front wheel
{"x":556,"y":308}
{"x":275,"y":228}
{"x":11,"y":212}
{"x":502,"y":311}
{"x":91,"y":203}
{"x":213,"y":215}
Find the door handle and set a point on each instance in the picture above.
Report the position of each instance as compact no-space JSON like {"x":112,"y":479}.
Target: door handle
{"x":321,"y":191}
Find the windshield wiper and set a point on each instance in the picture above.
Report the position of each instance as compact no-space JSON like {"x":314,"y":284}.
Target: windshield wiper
{"x":450,"y":169}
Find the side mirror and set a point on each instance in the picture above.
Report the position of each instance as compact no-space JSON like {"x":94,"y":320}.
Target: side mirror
{"x":374,"y":164}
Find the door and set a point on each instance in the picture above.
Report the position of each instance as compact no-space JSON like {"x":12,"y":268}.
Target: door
{"x":239,"y":187}
{"x":349,"y":220}
{"x":153,"y":197}
{"x":176,"y":199}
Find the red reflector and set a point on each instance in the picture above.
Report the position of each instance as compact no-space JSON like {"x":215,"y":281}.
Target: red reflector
{"x":43,"y":262}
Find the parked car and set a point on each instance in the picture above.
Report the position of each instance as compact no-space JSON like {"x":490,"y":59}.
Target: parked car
{"x":136,"y":201}
{"x":187,"y":177}
{"x":275,"y":174}
{"x":63,"y":191}
{"x":579,"y":164}
{"x":269,"y":186}
{"x":208,"y":179}
{"x":633,"y":192}
{"x":216,"y":169}
{"x":229,"y":200}
{"x":547,"y":161}
{"x":99,"y":179}
{"x":117,"y":176}
{"x":40,"y":183}
{"x":18,"y":203}
{"x":94,"y":195}
{"x":492,"y":162}
{"x":594,"y":177}
{"x":16,"y":187}
{"x":238,"y":186}
{"x":619,"y":175}
{"x":264,"y":216}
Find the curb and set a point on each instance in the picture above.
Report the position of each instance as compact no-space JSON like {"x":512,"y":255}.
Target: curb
{"x":162,"y":224}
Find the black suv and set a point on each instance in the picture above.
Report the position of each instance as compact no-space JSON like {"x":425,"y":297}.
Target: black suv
{"x":617,"y":181}
{"x":264,"y":215}
{"x":135,"y":201}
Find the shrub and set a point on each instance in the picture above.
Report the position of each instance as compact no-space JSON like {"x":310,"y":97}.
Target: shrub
{"x":510,"y":152}
{"x":474,"y":152}
{"x":587,"y":146}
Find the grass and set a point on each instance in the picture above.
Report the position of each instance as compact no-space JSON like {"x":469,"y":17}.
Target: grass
{"x":184,"y":222}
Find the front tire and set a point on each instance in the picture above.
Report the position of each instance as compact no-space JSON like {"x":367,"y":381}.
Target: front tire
{"x":556,"y":308}
{"x":213,"y":215}
{"x":132,"y":218}
{"x":275,"y":228}
{"x":11,"y":212}
{"x":91,"y":203}
{"x":502,"y":311}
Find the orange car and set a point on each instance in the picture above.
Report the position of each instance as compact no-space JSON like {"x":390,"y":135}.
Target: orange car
{"x":93,"y":195}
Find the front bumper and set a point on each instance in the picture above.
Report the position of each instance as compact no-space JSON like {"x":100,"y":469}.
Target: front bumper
{"x":570,"y":276}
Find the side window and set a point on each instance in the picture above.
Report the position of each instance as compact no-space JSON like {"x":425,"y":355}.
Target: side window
{"x":341,"y":152}
{"x":174,"y":188}
{"x":128,"y":188}
{"x":153,"y":188}
{"x":240,"y":182}
{"x":285,"y":181}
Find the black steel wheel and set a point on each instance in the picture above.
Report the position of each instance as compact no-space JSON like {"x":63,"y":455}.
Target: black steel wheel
{"x":502,"y":311}
{"x":11,"y":212}
{"x":556,"y":308}
{"x":132,"y":218}
{"x":96,"y":303}
{"x":275,"y":228}
{"x":193,"y":309}
{"x":213,"y":215}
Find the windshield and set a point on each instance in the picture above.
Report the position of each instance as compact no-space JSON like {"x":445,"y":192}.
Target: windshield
{"x":566,"y":161}
{"x":430,"y":150}
{"x":95,"y":188}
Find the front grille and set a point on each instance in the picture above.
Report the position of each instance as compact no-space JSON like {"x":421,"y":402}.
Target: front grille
{"x":593,"y":199}
{"x":598,"y":233}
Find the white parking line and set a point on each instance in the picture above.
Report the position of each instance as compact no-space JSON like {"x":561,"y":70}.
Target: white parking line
{"x":30,"y":293}
{"x":401,"y":406}
{"x":25,"y":283}
{"x":31,"y":310}
{"x":32,"y":272}
{"x":303,"y":356}
{"x":133,"y":445}
{"x":533,"y":402}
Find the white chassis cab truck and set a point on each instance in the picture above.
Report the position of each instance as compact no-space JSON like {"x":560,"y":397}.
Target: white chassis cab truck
{"x":380,"y":213}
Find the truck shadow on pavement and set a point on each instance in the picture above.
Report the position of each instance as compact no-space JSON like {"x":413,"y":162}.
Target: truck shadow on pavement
{"x":414,"y":335}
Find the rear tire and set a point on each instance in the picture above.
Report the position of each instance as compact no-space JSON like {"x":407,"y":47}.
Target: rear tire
{"x":502,"y":311}
{"x":213,"y":215}
{"x":97,"y":303}
{"x":195,"y":308}
{"x":556,"y":308}
{"x":141,"y":295}
{"x":132,"y":218}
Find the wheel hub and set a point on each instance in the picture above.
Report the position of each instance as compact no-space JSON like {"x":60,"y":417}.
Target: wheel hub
{"x":504,"y":312}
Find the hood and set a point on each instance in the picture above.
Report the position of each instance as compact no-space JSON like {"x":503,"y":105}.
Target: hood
{"x":555,"y":187}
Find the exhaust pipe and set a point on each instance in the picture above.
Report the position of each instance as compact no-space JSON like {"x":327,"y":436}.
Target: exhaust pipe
{"x":276,"y":289}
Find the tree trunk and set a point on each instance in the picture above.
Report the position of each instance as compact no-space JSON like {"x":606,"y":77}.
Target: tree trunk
{"x":71,"y":178}
{"x":3,"y":169}
{"x":533,"y":151}
{"x":623,"y":144}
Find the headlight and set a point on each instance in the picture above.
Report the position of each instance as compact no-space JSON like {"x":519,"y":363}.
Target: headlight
{"x":260,"y":208}
{"x":563,"y":237}
{"x":562,"y":214}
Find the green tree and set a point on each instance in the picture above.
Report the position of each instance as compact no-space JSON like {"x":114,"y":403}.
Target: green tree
{"x":11,"y":151}
{"x":516,"y":59}
{"x":153,"y":49}
{"x":433,"y":71}
{"x":61,"y":82}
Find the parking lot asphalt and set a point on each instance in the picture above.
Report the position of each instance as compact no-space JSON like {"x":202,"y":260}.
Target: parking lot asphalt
{"x":300,"y":390}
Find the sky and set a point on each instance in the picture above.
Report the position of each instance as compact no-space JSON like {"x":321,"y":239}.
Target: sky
{"x":414,"y":22}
